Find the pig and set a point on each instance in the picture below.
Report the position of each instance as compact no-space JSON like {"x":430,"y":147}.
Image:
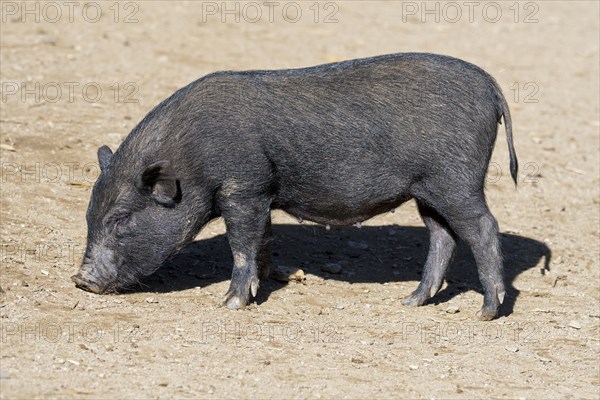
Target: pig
{"x":335,"y":144}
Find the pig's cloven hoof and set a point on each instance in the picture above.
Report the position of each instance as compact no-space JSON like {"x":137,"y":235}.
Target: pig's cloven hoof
{"x":486,"y":314}
{"x":238,"y":295}
{"x":489,"y":311}
{"x":414,"y":300}
{"x":420,"y":296}
{"x":234,"y":302}
{"x":424,"y":292}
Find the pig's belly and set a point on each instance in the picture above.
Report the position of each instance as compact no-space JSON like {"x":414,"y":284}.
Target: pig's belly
{"x":330,"y":207}
{"x":337,"y":219}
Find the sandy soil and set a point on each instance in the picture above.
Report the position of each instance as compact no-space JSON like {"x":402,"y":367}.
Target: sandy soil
{"x":334,"y":335}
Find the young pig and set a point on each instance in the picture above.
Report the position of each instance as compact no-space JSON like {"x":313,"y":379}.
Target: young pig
{"x":335,"y":144}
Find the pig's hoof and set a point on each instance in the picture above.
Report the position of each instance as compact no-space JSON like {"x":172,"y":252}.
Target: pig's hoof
{"x":491,"y":304}
{"x":487,"y":314}
{"x":238,"y":295}
{"x":423,"y":293}
{"x":417,"y":298}
{"x":413,"y":301}
{"x":234,"y":303}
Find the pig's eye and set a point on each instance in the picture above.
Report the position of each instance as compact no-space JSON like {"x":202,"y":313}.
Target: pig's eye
{"x":120,"y":222}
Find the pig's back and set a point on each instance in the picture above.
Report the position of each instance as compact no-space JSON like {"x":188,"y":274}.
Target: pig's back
{"x":373,"y":110}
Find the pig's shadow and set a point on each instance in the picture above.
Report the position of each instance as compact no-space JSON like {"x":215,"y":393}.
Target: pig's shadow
{"x":367,"y":255}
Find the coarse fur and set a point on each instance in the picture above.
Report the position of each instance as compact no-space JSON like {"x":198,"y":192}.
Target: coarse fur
{"x":336,"y":144}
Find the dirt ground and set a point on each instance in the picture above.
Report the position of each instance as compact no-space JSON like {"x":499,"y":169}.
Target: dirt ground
{"x":72,"y":81}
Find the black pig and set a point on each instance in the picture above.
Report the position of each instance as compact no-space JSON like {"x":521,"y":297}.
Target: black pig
{"x":335,"y":144}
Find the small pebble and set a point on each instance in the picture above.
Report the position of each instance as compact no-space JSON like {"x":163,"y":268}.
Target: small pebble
{"x":512,"y":348}
{"x":7,"y":147}
{"x":575,"y":324}
{"x":413,"y":367}
{"x":452,"y":309}
{"x":151,"y":300}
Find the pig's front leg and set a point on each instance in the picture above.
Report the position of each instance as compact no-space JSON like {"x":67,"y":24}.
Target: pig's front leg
{"x":248,"y":226}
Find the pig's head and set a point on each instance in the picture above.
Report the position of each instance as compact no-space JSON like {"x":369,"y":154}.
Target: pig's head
{"x":135,"y":222}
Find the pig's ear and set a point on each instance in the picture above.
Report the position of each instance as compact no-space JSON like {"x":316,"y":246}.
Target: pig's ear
{"x":104,"y":156}
{"x":158,"y":180}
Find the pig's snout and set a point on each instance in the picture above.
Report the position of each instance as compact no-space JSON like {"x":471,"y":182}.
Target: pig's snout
{"x":85,"y":282}
{"x":97,"y":273}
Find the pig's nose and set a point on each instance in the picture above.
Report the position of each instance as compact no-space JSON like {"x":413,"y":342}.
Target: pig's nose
{"x":87,"y":284}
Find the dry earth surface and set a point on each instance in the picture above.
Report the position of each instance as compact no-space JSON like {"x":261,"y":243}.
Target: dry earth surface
{"x":340,"y":335}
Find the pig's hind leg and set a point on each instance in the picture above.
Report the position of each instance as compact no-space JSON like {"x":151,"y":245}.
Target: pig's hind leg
{"x":442,"y":243}
{"x":248,"y":228}
{"x":264,"y":254}
{"x":477,"y":226}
